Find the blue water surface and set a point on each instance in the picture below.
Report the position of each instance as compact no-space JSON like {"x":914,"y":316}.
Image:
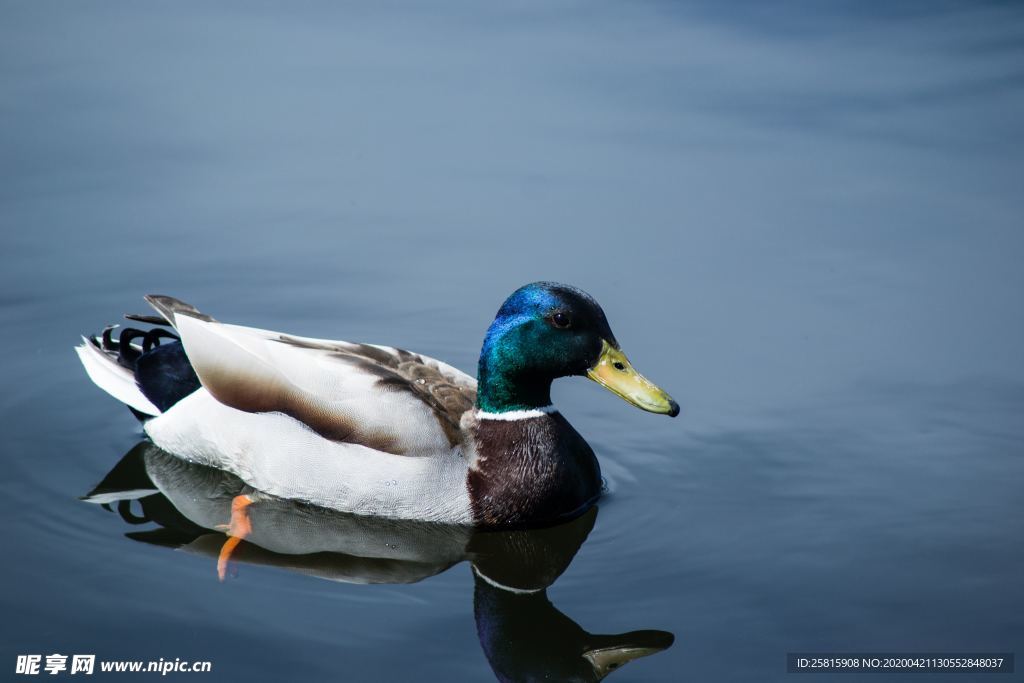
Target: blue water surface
{"x":803,"y":219}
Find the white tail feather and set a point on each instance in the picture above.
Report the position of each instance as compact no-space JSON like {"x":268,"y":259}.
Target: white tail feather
{"x":114,"y":379}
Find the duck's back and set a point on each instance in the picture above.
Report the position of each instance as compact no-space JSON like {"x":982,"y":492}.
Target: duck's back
{"x":386,"y":399}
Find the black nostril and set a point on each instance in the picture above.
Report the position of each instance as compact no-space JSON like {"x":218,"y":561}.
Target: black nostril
{"x":618,"y":365}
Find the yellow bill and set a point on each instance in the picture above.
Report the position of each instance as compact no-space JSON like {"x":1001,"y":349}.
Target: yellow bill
{"x":615,"y":373}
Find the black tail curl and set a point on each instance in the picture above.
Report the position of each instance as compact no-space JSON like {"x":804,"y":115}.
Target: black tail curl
{"x":155,"y":356}
{"x":125,"y":350}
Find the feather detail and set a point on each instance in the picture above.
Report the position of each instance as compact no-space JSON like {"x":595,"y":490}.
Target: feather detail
{"x":385,"y":399}
{"x":113,"y":378}
{"x":170,"y":308}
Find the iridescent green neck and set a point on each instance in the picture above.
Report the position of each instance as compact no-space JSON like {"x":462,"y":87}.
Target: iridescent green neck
{"x":507,"y":376}
{"x":502,"y":387}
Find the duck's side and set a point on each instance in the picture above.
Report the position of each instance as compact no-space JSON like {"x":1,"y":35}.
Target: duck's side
{"x":352,"y":427}
{"x":277,"y":454}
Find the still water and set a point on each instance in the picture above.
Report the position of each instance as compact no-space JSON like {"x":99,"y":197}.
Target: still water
{"x":803,"y":221}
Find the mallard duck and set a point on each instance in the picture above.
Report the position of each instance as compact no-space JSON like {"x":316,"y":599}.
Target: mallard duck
{"x":376,"y":430}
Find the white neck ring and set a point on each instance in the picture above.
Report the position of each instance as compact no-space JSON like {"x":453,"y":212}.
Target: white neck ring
{"x":511,"y":415}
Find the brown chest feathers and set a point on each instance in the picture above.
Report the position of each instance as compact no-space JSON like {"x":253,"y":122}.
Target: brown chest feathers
{"x":530,"y":472}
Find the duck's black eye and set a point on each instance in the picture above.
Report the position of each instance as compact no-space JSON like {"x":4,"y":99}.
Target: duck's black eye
{"x":561,"y":320}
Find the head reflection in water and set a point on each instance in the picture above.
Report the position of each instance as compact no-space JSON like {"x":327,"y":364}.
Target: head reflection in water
{"x":524,"y":636}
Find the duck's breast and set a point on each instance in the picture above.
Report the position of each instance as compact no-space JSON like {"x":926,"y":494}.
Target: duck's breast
{"x":529,"y":471}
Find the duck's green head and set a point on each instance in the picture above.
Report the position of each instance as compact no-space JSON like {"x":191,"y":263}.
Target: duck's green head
{"x":546,"y":330}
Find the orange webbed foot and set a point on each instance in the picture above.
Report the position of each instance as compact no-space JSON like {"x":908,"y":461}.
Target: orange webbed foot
{"x":237,"y":529}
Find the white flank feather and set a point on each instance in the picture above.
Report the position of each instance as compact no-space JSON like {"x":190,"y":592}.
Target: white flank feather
{"x":278,"y":455}
{"x":114,"y":379}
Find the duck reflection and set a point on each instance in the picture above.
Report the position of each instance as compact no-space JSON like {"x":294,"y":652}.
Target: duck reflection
{"x":523,"y":635}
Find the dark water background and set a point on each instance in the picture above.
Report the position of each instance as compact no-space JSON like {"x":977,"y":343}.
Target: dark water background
{"x":803,"y":219}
